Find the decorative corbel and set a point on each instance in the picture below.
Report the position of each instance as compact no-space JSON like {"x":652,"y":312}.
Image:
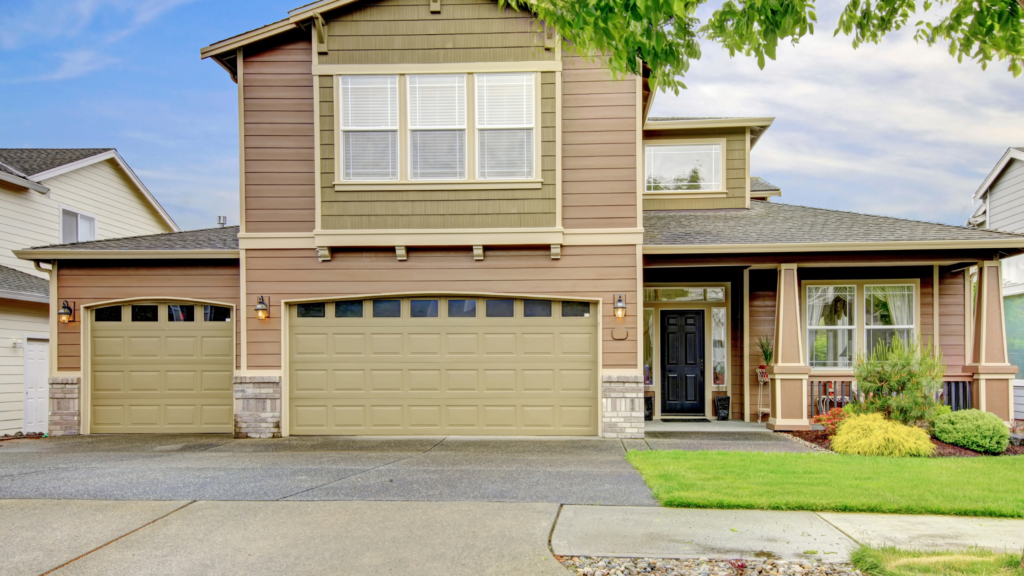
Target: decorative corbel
{"x":321,"y":34}
{"x":400,"y":252}
{"x":324,"y":254}
{"x":478,"y":252}
{"x":435,"y":6}
{"x":556,"y":251}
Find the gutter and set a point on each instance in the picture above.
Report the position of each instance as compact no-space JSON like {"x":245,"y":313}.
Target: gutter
{"x":1017,"y":244}
{"x":24,"y":296}
{"x":127,"y":254}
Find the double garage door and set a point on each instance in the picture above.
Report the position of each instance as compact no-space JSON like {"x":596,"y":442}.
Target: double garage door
{"x":161,"y":367}
{"x":435,"y":365}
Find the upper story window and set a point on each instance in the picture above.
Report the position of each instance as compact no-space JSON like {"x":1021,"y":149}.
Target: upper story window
{"x":369,"y":124}
{"x":505,"y":125}
{"x":444,"y":127}
{"x":76,"y":227}
{"x":684,"y":167}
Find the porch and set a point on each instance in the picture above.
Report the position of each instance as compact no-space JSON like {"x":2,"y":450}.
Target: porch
{"x":702,"y":323}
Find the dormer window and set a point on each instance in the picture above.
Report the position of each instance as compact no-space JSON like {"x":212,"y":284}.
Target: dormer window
{"x":689,"y":167}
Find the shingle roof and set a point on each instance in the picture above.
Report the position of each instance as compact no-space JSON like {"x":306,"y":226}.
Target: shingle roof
{"x":207,"y":239}
{"x":758,"y":184}
{"x":12,"y":280}
{"x":26,"y":162}
{"x":773,"y":223}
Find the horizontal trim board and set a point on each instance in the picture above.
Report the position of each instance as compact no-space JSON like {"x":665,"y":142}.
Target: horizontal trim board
{"x":709,"y":123}
{"x":472,"y":67}
{"x":23,"y":297}
{"x":830,"y":246}
{"x":475,"y":185}
{"x":125,"y":254}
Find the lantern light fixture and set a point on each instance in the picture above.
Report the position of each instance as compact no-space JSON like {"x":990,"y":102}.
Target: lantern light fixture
{"x":66,"y":313}
{"x":620,"y":306}
{"x":262,"y":310}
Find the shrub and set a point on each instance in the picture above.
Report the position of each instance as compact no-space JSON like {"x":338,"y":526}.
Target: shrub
{"x":974,"y":430}
{"x":874,"y":435}
{"x":899,"y":380}
{"x":940,"y":410}
{"x":831,"y":420}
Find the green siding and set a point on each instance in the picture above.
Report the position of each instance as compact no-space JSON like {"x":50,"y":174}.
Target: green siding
{"x":735,"y":172}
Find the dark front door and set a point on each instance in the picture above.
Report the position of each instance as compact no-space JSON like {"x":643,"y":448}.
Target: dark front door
{"x":682,"y":362}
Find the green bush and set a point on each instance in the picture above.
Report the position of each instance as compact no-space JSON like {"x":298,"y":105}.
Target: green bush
{"x":940,"y":410}
{"x":974,"y":430}
{"x":874,"y":435}
{"x":899,"y":380}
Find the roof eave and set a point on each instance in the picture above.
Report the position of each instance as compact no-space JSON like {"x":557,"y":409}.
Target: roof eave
{"x":23,"y":183}
{"x":24,"y":296}
{"x":1010,"y":154}
{"x":57,"y":254}
{"x":245,"y":38}
{"x":1013,"y":244}
{"x":764,"y":122}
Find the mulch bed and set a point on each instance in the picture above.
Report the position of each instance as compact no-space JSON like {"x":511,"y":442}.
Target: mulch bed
{"x":20,"y":436}
{"x":942,"y":450}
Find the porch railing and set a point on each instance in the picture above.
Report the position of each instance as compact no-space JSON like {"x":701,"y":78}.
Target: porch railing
{"x":824,"y":395}
{"x":958,"y":395}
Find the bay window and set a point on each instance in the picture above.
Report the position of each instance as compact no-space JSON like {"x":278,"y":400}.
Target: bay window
{"x":369,"y":125}
{"x":831,"y":326}
{"x":889,"y":313}
{"x":437,"y":127}
{"x":505,"y":124}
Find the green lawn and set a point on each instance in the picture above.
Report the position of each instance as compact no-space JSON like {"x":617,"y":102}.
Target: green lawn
{"x":781,"y":481}
{"x":972,"y":562}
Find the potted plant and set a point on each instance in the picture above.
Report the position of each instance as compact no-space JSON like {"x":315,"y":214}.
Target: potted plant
{"x":767,"y":350}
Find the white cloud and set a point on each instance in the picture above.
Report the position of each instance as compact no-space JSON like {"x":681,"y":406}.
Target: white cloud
{"x":74,"y":65}
{"x":898,"y":128}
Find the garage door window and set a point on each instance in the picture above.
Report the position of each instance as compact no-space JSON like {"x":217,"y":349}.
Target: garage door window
{"x":462,"y":308}
{"x":348,"y":309}
{"x":387,"y":308}
{"x":216,"y":314}
{"x":314,"y":310}
{"x":423,"y":308}
{"x":181,"y":313}
{"x":575,"y":309}
{"x":501,"y":308}
{"x":108,"y":314}
{"x":537,"y":308}
{"x":145,"y":313}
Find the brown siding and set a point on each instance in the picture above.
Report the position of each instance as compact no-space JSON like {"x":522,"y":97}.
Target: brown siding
{"x":762,"y":323}
{"x":952,"y":329}
{"x":599,"y":163}
{"x":278,"y":135}
{"x":405,"y":32}
{"x":84,"y":283}
{"x":582,"y":272}
{"x":735,"y":172}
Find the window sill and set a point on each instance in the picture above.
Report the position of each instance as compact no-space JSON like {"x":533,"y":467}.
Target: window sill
{"x":531,"y":184}
{"x":695,"y":194}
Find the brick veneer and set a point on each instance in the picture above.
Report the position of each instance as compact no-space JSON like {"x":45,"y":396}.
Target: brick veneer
{"x":622,"y":406}
{"x":65,"y":406}
{"x":257,"y":406}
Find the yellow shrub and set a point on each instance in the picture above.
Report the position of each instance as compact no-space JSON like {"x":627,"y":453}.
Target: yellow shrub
{"x":873,"y":435}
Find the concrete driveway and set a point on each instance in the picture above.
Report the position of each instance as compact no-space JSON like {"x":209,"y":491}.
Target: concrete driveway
{"x":213,"y":467}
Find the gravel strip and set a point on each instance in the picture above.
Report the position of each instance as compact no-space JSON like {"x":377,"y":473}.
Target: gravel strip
{"x":810,"y":445}
{"x":590,"y":566}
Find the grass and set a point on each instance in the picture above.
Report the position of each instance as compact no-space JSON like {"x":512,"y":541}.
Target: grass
{"x":831,"y":482}
{"x":970,"y":562}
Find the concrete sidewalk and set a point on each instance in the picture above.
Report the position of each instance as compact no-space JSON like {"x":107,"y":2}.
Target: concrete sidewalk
{"x":627,"y":531}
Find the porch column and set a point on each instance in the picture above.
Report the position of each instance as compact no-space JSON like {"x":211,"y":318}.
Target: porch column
{"x":993,"y":373}
{"x":789,"y":371}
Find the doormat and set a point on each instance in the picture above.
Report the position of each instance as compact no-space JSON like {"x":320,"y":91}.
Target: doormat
{"x":681,"y":420}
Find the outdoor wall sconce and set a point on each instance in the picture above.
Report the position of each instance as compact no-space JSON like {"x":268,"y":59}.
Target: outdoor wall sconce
{"x":66,"y":313}
{"x":262,"y":310}
{"x":620,"y":306}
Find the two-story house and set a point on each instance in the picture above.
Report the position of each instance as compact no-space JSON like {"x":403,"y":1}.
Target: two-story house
{"x":53,"y":196}
{"x":450,"y":224}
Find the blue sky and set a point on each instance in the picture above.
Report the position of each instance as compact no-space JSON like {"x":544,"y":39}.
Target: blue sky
{"x":897,"y":129}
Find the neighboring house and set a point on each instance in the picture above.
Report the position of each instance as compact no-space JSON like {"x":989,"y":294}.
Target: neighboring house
{"x":1000,"y":201}
{"x":50,"y":196}
{"x":451,"y":226}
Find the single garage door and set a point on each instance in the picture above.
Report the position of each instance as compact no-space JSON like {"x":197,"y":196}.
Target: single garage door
{"x":161,"y":367}
{"x":452,"y":365}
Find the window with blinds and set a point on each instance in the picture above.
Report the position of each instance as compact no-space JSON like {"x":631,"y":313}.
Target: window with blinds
{"x":369,"y":125}
{"x":75,"y":227}
{"x":437,"y":127}
{"x":505,"y":125}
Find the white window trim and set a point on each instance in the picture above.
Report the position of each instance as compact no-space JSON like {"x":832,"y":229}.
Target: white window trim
{"x":409,"y":129}
{"x":911,"y":327}
{"x":60,"y":224}
{"x":339,"y":131}
{"x":860,"y":315}
{"x":656,"y":142}
{"x":853,"y":326}
{"x":471,"y":181}
{"x":535,"y":127}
